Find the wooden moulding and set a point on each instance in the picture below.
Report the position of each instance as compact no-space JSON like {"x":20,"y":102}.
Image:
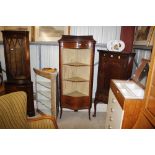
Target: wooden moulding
{"x":18,"y":28}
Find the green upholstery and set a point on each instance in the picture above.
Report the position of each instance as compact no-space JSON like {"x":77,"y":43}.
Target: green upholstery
{"x":13,"y":114}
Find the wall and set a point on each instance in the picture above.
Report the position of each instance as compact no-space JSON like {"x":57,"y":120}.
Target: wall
{"x":46,"y":55}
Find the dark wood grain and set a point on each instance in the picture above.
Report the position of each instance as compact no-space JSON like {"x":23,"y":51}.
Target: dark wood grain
{"x":112,"y":65}
{"x":76,"y":42}
{"x":17,"y":61}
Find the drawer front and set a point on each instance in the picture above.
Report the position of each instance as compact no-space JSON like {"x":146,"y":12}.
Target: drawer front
{"x":75,"y":103}
{"x":117,"y":94}
{"x":84,"y":45}
{"x":114,"y":113}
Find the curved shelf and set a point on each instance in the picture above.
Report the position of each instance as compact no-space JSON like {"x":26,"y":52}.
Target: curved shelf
{"x":76,"y":64}
{"x":76,"y":79}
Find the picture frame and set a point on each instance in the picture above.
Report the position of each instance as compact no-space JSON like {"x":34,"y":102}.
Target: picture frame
{"x":50,"y":33}
{"x":144,"y":35}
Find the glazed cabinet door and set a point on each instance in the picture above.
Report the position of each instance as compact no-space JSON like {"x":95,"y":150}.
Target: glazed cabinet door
{"x":16,"y":48}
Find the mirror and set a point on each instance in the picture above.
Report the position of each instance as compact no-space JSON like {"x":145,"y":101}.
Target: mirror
{"x":140,"y":75}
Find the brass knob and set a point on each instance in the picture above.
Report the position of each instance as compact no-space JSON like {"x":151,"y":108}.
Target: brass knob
{"x":113,"y":100}
{"x":109,"y":127}
{"x":110,"y":118}
{"x":112,"y":109}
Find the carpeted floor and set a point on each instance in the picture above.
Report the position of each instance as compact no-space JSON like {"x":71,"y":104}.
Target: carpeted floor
{"x":80,"y":120}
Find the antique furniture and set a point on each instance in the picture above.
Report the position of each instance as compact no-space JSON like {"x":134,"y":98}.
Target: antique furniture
{"x":147,"y":117}
{"x":17,"y":61}
{"x":18,"y":28}
{"x":112,"y":65}
{"x":13,"y":114}
{"x":46,"y":92}
{"x":126,"y":99}
{"x":76,"y":61}
{"x":2,"y":90}
{"x":124,"y":104}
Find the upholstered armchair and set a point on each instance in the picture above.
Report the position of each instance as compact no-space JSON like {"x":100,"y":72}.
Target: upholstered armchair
{"x":13,"y":114}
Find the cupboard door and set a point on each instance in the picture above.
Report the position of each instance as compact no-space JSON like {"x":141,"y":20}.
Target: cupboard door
{"x":151,"y":97}
{"x":16,"y":48}
{"x":149,"y":101}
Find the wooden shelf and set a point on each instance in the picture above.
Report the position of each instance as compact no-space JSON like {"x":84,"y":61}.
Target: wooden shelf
{"x":76,"y":94}
{"x":76,"y":79}
{"x":76,"y":64}
{"x":45,"y":84}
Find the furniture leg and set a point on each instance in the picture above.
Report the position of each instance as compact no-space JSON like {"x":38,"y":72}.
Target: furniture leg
{"x":95,"y":103}
{"x":89,"y":114}
{"x":60,"y":112}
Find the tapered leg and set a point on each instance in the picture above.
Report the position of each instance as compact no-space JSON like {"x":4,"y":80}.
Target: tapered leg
{"x":60,"y":112}
{"x":89,"y":114}
{"x":94,"y":115}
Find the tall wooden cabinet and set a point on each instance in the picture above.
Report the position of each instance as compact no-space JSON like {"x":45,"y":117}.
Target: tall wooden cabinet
{"x":147,"y":116}
{"x":17,"y":61}
{"x":112,"y":65}
{"x":76,"y":61}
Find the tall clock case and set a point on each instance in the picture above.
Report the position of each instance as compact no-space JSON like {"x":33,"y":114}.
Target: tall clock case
{"x":76,"y":58}
{"x":17,"y":61}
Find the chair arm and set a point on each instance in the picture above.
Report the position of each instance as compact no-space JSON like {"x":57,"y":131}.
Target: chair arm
{"x":42,"y":122}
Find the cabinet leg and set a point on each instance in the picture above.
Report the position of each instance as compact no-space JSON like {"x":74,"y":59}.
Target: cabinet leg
{"x":31,"y":113}
{"x":60,"y":112}
{"x":89,"y":114}
{"x":94,"y":115}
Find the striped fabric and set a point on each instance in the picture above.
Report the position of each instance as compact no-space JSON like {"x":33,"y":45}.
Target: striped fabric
{"x":42,"y":124}
{"x":13,"y":113}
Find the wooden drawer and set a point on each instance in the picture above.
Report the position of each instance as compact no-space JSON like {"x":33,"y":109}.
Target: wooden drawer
{"x":75,"y":103}
{"x":117,"y":94}
{"x":114,"y":113}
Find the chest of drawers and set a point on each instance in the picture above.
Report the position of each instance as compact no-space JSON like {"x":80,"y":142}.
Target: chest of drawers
{"x":124,"y":104}
{"x":112,"y":65}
